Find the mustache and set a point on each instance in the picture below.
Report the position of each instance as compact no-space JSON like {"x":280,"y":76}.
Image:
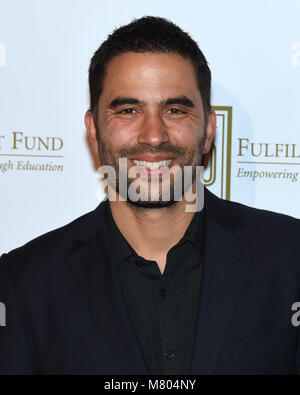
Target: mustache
{"x":146,"y":149}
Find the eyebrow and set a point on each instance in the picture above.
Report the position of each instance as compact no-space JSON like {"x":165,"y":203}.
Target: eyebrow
{"x":123,"y":100}
{"x":182,"y":100}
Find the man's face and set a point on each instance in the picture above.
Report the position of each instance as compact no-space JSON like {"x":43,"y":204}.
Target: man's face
{"x":150,"y":110}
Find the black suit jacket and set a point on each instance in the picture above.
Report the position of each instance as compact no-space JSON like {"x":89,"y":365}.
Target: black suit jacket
{"x":66,"y":313}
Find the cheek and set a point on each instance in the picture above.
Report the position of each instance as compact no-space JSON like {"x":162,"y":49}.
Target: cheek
{"x":120,"y":134}
{"x":185,"y":136}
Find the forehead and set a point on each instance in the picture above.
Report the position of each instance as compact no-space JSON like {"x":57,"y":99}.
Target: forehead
{"x":150,"y":74}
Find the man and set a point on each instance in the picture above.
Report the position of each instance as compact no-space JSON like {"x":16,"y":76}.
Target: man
{"x":145,"y":286}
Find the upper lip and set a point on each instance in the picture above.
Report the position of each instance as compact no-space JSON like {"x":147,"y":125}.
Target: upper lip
{"x":151,"y":158}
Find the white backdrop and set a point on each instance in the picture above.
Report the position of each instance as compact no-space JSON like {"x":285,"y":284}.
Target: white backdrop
{"x":47,"y":176}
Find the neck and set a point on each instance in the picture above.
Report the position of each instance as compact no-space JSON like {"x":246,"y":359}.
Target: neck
{"x":151,"y":232}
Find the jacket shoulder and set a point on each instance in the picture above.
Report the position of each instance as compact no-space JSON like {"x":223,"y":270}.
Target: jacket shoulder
{"x":53,"y":246}
{"x":254,"y":216}
{"x":257,"y":224}
{"x":265,"y":225}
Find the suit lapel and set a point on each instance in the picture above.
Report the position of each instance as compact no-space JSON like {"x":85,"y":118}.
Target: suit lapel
{"x":224,"y":270}
{"x":92,"y":267}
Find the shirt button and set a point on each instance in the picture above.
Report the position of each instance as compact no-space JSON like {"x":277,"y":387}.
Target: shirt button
{"x":139,"y":263}
{"x":163,"y":292}
{"x":169,"y":355}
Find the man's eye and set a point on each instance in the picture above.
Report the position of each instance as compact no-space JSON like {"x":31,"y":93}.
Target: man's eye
{"x":176,"y":111}
{"x":127,"y":111}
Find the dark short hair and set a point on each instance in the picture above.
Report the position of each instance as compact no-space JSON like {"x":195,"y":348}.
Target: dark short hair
{"x":148,"y":34}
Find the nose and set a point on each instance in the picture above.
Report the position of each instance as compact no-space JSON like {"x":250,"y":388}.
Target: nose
{"x":153,"y":131}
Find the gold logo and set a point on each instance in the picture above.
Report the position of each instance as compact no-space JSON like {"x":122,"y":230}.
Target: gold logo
{"x":30,"y":153}
{"x":217,"y":174}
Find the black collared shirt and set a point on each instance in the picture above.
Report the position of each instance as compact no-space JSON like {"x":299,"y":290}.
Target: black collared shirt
{"x":162,"y":307}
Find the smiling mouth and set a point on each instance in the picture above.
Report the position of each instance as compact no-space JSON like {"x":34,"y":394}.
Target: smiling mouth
{"x":152,"y":165}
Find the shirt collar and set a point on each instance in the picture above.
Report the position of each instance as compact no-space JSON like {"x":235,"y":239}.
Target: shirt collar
{"x":121,"y":249}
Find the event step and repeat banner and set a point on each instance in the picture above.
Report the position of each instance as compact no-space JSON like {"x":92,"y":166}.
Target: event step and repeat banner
{"x":47,"y":173}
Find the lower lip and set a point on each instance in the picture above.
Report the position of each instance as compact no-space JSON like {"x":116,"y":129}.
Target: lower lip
{"x":153,"y":172}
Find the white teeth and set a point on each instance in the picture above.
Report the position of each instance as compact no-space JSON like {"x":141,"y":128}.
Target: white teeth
{"x":152,"y":165}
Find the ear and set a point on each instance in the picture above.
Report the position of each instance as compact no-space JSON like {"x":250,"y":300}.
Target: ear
{"x":210,"y":130}
{"x":91,"y":131}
